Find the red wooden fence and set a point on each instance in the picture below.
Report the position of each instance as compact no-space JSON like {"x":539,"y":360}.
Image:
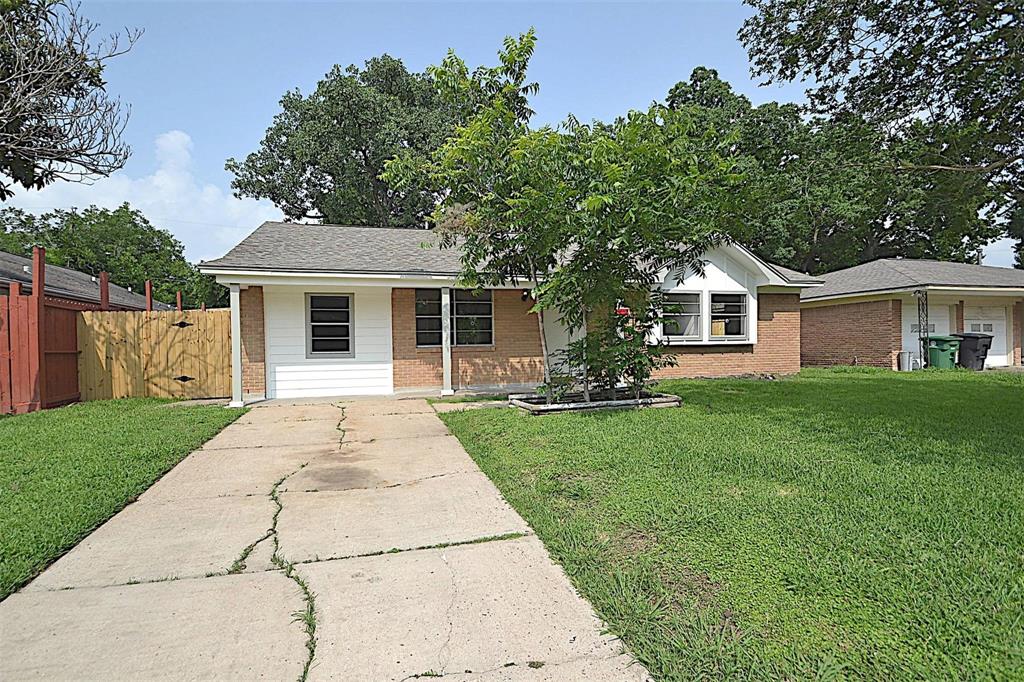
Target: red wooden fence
{"x":38,"y":346}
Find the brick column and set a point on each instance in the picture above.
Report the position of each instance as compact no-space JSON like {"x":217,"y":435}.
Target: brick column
{"x":254,"y":381}
{"x":959,"y":317}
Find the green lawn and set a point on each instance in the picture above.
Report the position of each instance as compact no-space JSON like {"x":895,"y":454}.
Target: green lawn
{"x":859,"y":524}
{"x":63,"y":472}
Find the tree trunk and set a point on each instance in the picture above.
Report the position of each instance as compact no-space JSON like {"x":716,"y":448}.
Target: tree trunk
{"x":586,"y":365}
{"x":543,"y":340}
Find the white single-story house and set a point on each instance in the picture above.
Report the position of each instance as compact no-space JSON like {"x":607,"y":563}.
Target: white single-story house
{"x":329,"y":310}
{"x":867,"y":314}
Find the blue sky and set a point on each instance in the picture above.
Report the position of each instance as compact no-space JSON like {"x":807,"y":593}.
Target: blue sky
{"x":205,"y":79}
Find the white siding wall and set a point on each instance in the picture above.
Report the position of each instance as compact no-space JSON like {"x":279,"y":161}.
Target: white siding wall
{"x":290,"y":374}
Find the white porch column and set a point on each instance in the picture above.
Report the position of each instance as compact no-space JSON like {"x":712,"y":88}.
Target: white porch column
{"x":446,"y":341}
{"x":236,"y":347}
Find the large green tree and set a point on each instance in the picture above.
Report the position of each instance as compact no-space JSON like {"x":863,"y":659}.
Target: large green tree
{"x":121,"y":242}
{"x":948,"y":75}
{"x":56,"y":118}
{"x":592,"y":214}
{"x":821,"y":193}
{"x":323,"y":156}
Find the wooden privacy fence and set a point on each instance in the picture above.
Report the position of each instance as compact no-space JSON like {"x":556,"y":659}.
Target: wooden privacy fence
{"x":170,"y":354}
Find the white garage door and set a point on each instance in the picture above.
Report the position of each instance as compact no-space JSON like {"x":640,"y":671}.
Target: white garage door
{"x":989,"y":320}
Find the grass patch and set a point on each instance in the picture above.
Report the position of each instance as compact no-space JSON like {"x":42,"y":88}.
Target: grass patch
{"x":64,"y":472}
{"x":848,"y":523}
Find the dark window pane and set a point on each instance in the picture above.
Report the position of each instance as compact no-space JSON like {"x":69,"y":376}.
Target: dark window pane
{"x":428,"y":295}
{"x":473,"y":308}
{"x":728,"y":326}
{"x":472,"y":323}
{"x":329,"y":330}
{"x":472,"y":295}
{"x":471,"y":338}
{"x":431,"y":308}
{"x":428,"y":324}
{"x":329,"y":345}
{"x":428,"y":338}
{"x":328,"y":316}
{"x":328,"y":302}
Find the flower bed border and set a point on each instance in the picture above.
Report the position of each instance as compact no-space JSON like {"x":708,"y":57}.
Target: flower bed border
{"x":520,"y":400}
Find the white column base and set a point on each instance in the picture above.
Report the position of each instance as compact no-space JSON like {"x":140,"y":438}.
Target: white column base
{"x":447,"y":392}
{"x":236,"y":403}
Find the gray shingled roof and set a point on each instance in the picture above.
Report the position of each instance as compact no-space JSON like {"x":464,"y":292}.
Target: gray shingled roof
{"x":297,"y":247}
{"x":894,"y":274}
{"x":67,"y":283}
{"x":294,"y":247}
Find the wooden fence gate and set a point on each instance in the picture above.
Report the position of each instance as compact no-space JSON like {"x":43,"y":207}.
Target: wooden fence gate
{"x":168,"y":354}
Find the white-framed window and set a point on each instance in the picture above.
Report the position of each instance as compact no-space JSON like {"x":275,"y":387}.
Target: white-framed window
{"x":916,"y":328}
{"x":728,"y":316}
{"x":428,"y":317}
{"x":681,"y":316}
{"x":329,"y":325}
{"x":982,"y":327}
{"x":472,"y":318}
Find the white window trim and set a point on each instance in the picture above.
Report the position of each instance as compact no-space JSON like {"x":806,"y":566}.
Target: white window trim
{"x":746,"y":316}
{"x":351,"y":352}
{"x":706,"y":339}
{"x":678,"y":339}
{"x":453,"y":317}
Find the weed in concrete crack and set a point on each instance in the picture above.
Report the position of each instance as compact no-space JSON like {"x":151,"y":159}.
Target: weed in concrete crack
{"x":535,"y":664}
{"x":239,"y":564}
{"x":307,"y":616}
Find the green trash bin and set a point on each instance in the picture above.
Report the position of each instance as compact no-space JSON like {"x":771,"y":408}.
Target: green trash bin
{"x":942,"y":351}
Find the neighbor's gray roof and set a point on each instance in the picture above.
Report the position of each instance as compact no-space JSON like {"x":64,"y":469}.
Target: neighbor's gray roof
{"x":295,"y":247}
{"x":894,"y":274}
{"x":67,"y":283}
{"x":339,"y":248}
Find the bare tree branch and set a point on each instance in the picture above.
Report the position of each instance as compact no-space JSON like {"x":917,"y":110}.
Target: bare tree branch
{"x":56,"y":119}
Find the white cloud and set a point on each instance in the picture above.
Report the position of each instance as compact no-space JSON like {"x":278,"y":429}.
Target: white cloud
{"x":205,"y":217}
{"x":999,"y":253}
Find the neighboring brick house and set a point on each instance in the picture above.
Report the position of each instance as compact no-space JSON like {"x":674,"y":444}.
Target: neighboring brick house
{"x":324,"y":310}
{"x":870,"y":313}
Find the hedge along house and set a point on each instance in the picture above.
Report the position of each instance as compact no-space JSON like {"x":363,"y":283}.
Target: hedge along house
{"x":867,"y":314}
{"x":327,"y":310}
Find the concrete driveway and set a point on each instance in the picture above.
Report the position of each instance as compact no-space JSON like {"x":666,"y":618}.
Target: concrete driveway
{"x":354,"y":541}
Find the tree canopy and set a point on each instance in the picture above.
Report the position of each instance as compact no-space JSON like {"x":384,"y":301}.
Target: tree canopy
{"x":323,"y":156}
{"x":821,"y":193}
{"x":121,"y":242}
{"x":56,"y":118}
{"x":946,"y":74}
{"x":590,"y":215}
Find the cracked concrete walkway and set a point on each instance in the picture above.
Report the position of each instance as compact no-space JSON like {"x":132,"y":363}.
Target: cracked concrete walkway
{"x":352,"y":541}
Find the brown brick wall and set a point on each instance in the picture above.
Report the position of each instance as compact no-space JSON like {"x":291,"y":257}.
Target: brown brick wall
{"x":253,"y":341}
{"x":1018,"y":332}
{"x":958,"y":311}
{"x":514,"y":359}
{"x":777,"y":350}
{"x":868,"y":333}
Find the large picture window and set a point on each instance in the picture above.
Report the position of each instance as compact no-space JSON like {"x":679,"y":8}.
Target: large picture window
{"x":472,"y":318}
{"x":728,"y":316}
{"x":681,"y":317}
{"x":329,"y":324}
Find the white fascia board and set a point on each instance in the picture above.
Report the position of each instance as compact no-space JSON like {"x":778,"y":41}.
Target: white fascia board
{"x":282,"y":278}
{"x":952,"y":291}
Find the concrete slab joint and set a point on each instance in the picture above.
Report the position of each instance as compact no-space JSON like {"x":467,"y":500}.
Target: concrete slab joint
{"x":314,"y":541}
